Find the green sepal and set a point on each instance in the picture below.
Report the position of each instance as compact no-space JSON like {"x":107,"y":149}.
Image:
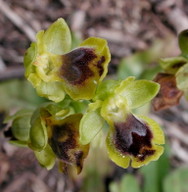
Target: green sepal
{"x":46,"y":157}
{"x":20,"y":124}
{"x":183,"y":42}
{"x":21,"y":127}
{"x":38,"y":132}
{"x":57,"y":38}
{"x":137,"y":92}
{"x":91,"y":123}
{"x":105,"y":89}
{"x":171,"y":65}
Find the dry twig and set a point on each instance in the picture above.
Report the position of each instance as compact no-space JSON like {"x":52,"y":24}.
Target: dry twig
{"x":17,"y":20}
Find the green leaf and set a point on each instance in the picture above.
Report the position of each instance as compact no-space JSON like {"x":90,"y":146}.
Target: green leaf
{"x":177,"y":181}
{"x":90,"y":125}
{"x":129,"y":184}
{"x":46,"y":157}
{"x":58,"y":37}
{"x":137,"y":92}
{"x":183,"y":42}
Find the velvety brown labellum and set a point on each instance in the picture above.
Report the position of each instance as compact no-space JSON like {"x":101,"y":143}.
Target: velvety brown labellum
{"x":133,"y":137}
{"x":64,"y":141}
{"x":77,"y":64}
{"x":76,"y":67}
{"x":169,"y":95}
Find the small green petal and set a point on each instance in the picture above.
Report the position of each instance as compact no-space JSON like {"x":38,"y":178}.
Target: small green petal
{"x":90,"y":125}
{"x":172,"y":65}
{"x":46,"y":157}
{"x":58,"y":37}
{"x":137,"y":92}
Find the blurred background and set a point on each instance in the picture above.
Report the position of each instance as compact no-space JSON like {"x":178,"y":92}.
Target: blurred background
{"x":139,"y":32}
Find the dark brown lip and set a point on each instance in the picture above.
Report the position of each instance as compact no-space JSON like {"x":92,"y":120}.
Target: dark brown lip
{"x":133,"y":137}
